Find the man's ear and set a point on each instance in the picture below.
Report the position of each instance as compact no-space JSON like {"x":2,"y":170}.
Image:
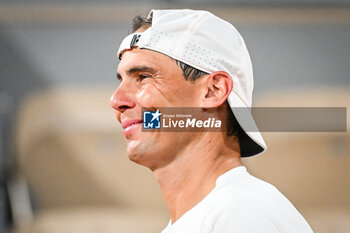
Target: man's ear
{"x":218,"y":87}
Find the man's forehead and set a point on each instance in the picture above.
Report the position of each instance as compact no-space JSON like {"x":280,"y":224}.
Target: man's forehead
{"x":143,"y":57}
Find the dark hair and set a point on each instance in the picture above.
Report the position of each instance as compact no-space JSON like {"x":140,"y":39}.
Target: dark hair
{"x":192,"y":74}
{"x":141,"y":22}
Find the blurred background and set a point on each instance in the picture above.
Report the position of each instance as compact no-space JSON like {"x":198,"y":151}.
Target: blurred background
{"x":63,"y":167}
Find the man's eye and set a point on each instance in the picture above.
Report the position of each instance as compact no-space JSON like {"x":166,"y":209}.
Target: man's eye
{"x":119,"y":77}
{"x":143,"y":76}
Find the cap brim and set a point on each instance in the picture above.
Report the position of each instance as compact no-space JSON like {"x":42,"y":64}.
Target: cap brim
{"x":252,"y":143}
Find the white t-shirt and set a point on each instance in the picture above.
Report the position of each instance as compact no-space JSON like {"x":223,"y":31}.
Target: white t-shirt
{"x":241,"y":203}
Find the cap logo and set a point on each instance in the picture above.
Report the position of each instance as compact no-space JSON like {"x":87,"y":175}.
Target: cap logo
{"x":134,"y":40}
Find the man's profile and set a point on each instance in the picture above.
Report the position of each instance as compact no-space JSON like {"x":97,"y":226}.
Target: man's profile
{"x":187,"y":58}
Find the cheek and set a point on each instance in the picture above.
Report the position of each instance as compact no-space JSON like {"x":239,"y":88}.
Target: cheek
{"x":150,"y":96}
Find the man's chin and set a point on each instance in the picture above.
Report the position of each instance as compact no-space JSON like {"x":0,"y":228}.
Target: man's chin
{"x":134,"y":151}
{"x":138,"y":152}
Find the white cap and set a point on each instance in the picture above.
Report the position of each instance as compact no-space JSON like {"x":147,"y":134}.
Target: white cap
{"x":208,"y":43}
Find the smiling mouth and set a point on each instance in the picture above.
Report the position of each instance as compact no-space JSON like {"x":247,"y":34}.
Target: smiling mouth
{"x":129,"y":123}
{"x":129,"y":126}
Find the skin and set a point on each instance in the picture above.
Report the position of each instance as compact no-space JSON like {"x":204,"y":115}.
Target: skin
{"x":185,"y":164}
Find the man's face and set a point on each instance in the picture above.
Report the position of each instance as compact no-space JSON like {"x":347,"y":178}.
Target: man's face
{"x":150,"y":79}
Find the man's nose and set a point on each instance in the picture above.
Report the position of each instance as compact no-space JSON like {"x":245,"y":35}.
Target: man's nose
{"x":122,"y":98}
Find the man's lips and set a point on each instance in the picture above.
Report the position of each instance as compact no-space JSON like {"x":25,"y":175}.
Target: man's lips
{"x":127,"y":123}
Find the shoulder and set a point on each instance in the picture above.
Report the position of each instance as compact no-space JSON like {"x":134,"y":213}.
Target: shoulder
{"x":245,"y":189}
{"x":243,"y":207}
{"x":247,"y":204}
{"x":248,"y":220}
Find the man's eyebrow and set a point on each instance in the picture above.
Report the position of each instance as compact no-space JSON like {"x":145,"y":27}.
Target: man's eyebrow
{"x":136,"y":69}
{"x":140,"y":69}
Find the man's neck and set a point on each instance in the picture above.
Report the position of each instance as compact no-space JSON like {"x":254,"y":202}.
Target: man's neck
{"x":192,"y":175}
